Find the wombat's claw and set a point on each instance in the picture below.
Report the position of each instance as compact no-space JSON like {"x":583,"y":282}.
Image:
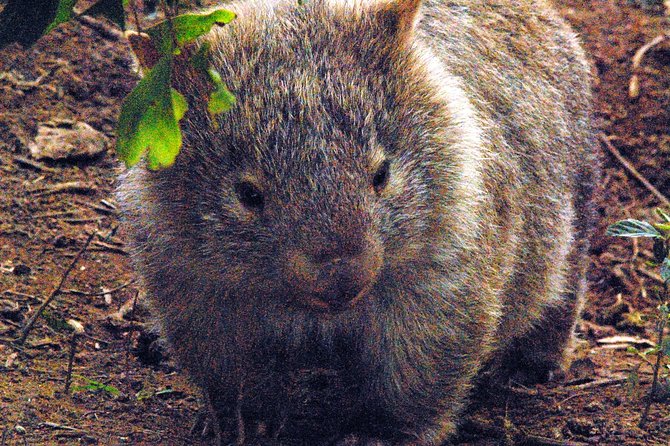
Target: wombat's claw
{"x":356,"y":440}
{"x":537,"y":374}
{"x":200,"y":425}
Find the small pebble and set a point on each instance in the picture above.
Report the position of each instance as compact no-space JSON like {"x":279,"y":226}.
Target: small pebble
{"x":22,"y":270}
{"x":593,"y":406}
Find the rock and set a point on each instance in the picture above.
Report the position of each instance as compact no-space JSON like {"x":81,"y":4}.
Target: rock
{"x":594,"y":406}
{"x":582,"y":427}
{"x":67,"y":140}
{"x":10,"y":310}
{"x":22,"y":270}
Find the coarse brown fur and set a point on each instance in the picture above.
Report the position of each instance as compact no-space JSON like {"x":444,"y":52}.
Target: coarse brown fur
{"x":469,"y":259}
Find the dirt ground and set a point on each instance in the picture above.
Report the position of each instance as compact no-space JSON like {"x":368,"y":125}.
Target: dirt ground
{"x":125,"y":391}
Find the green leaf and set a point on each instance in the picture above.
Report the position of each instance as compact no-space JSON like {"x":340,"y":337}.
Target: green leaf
{"x":149,"y":119}
{"x":63,"y":14}
{"x":665,"y":227}
{"x":650,"y":351}
{"x":114,"y":10}
{"x":189,"y":27}
{"x":221,"y":99}
{"x":95,"y":386}
{"x":665,"y":346}
{"x":166,"y":391}
{"x":661,"y":213}
{"x":632,"y":228}
{"x":179,"y":104}
{"x":199,"y":60}
{"x":186,"y":28}
{"x":55,"y":322}
{"x":665,"y":270}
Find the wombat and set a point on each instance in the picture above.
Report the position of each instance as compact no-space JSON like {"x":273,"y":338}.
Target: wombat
{"x":401,"y":194}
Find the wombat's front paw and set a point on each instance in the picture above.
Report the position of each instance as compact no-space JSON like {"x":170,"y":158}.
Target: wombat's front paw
{"x":537,"y":373}
{"x":358,"y":440}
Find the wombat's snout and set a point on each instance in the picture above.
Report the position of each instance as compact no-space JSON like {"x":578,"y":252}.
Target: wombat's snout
{"x":333,"y":279}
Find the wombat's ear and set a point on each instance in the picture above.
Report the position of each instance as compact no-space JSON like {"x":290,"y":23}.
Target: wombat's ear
{"x":144,"y":49}
{"x":399,"y":18}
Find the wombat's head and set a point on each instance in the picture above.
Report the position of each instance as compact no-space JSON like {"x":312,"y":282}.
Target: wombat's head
{"x":329,"y":175}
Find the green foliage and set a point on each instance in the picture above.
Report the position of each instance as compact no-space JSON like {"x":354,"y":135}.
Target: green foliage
{"x":186,"y":28}
{"x":95,"y":386}
{"x":146,"y":394}
{"x":63,"y":14}
{"x":150,"y":114}
{"x":660,"y":233}
{"x":665,"y":270}
{"x":55,"y":322}
{"x":221,"y":100}
{"x":149,"y":120}
{"x":633,"y":228}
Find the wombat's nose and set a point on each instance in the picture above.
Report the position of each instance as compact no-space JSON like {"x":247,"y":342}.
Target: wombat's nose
{"x":341,"y":281}
{"x":331,"y":280}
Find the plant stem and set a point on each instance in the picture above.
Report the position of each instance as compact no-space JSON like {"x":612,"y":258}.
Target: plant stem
{"x":659,"y":357}
{"x":54,"y":293}
{"x":73,"y":351}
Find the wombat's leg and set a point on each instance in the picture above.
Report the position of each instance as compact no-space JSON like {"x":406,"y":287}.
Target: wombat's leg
{"x":355,"y":440}
{"x":208,"y":419}
{"x":419,"y":363}
{"x":544,"y":352}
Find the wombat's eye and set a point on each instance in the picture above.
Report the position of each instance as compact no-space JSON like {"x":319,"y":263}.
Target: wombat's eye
{"x":249,"y":195}
{"x":381,"y":178}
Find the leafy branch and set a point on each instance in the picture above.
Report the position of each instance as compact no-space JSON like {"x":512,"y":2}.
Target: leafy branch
{"x":660,"y":233}
{"x":149,"y":120}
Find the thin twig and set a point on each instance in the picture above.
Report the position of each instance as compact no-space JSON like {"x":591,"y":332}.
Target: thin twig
{"x":600,"y":383}
{"x":98,"y":293}
{"x":54,"y":293}
{"x":27,"y":162}
{"x":59,"y":426}
{"x":108,"y":32}
{"x":659,"y":357}
{"x":638,"y":176}
{"x":70,"y":362}
{"x":79,"y":221}
{"x":16,"y":293}
{"x":136,"y":16}
{"x":72,"y":186}
{"x":651,"y":275}
{"x":634,"y":84}
{"x":111,"y":248}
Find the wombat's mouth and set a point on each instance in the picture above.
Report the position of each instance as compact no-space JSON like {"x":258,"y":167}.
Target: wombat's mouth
{"x":336,"y":301}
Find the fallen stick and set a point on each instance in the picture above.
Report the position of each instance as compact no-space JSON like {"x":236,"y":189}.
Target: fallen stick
{"x":59,"y":426}
{"x":111,"y":248}
{"x":54,"y":293}
{"x":108,"y":32}
{"x":27,"y":162}
{"x":98,"y":293}
{"x":634,"y":84}
{"x":651,"y":275}
{"x":72,"y":186}
{"x":632,"y":170}
{"x":600,"y":383}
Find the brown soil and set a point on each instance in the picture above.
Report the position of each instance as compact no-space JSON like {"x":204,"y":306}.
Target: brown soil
{"x":82,"y":73}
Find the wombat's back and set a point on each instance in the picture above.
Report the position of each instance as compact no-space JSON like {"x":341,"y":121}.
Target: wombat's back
{"x":525,"y":72}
